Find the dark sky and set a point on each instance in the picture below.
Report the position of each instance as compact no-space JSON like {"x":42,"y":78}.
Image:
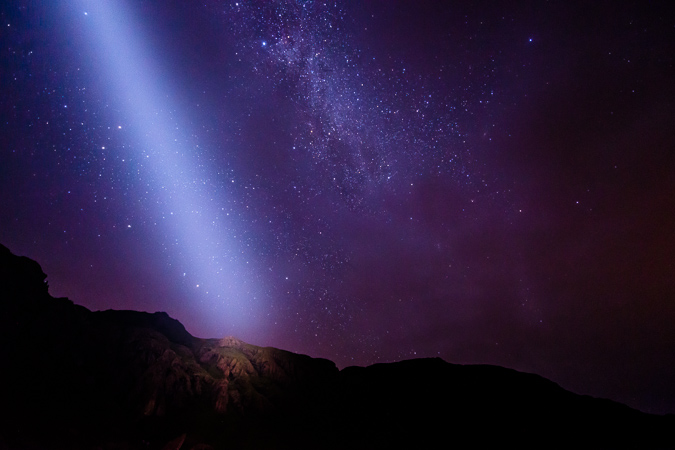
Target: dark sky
{"x":360,"y":181}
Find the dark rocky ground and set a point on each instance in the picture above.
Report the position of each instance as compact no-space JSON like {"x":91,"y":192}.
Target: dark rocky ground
{"x":76,"y":379}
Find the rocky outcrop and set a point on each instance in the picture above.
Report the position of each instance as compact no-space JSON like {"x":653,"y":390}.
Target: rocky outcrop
{"x":107,"y":371}
{"x":76,"y":379}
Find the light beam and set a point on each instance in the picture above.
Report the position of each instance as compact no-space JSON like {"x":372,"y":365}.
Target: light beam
{"x":213,"y":261}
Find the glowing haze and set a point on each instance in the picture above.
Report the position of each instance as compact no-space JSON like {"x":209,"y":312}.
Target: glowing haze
{"x":197,"y":230}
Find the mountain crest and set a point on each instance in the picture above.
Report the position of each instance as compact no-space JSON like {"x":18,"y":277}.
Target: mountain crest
{"x":137,"y":380}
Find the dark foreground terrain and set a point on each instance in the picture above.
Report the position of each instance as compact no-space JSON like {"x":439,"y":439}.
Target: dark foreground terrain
{"x":76,"y":379}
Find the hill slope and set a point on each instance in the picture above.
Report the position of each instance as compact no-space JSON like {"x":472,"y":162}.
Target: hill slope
{"x":73,"y":378}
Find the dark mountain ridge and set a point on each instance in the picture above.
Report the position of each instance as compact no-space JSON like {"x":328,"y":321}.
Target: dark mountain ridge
{"x":77,"y":379}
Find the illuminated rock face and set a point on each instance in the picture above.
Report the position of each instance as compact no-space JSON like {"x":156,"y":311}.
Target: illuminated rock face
{"x":73,"y":378}
{"x":111,"y":370}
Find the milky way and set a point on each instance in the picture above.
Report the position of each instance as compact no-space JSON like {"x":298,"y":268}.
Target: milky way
{"x":364,"y":182}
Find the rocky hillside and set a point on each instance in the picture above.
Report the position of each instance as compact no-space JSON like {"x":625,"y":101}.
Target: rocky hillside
{"x":76,"y":379}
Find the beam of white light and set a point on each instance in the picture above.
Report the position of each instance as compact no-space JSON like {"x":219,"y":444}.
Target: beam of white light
{"x":209,"y":257}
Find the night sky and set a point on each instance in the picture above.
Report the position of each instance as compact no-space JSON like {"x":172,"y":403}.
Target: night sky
{"x":360,"y":181}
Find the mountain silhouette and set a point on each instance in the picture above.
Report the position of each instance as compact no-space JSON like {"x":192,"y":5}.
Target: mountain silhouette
{"x":76,"y":379}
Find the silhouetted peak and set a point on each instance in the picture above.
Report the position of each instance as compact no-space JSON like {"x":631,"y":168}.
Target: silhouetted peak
{"x":21,"y":276}
{"x":141,"y":379}
{"x":158,"y":321}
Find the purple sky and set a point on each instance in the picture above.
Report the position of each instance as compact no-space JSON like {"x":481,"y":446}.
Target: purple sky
{"x":360,"y":181}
